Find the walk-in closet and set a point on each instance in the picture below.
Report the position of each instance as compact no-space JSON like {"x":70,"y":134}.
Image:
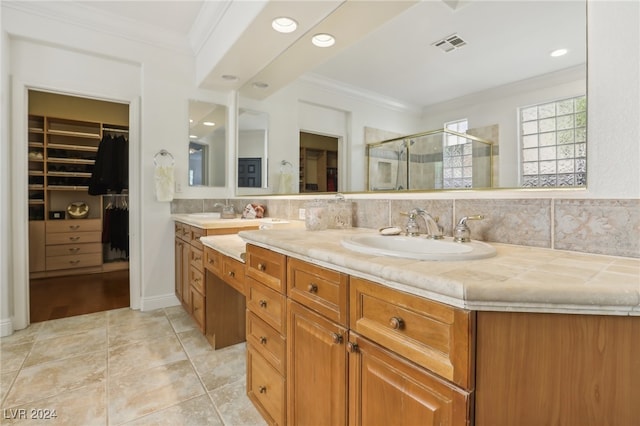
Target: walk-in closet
{"x":78,"y":205}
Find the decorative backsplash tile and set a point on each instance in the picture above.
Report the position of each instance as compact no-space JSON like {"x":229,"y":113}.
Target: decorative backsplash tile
{"x":610,"y":227}
{"x":598,"y":226}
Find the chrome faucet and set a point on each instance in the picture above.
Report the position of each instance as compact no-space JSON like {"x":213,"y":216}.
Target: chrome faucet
{"x":434,"y":230}
{"x":461,"y":232}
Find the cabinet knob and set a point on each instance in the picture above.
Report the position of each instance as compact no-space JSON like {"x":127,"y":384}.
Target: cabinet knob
{"x":263,"y":340}
{"x":231,"y":274}
{"x":353,"y":347}
{"x":262,"y":389}
{"x":263,"y":303}
{"x":396,"y":323}
{"x":262,"y":267}
{"x":313,"y":288}
{"x":337,"y":338}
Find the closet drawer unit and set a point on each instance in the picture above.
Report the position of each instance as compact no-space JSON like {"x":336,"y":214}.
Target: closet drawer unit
{"x":74,"y":261}
{"x":233,"y":273}
{"x":77,"y":225}
{"x":196,"y":233}
{"x":322,"y":290}
{"x":213,"y":261}
{"x":196,"y":279}
{"x":196,"y":257}
{"x":266,"y":304}
{"x":267,"y":267}
{"x":73,"y":237}
{"x":433,"y":335}
{"x":266,"y":388}
{"x":267,"y":341}
{"x":73,"y":249}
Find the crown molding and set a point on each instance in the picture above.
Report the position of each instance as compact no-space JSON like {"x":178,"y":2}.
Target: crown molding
{"x":210,"y":15}
{"x":81,"y":15}
{"x":364,"y":95}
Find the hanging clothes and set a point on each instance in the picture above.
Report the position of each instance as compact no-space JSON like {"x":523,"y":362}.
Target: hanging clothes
{"x":115,"y":229}
{"x":111,"y":169}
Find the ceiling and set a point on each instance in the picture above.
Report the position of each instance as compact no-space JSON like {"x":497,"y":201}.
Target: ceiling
{"x":501,"y":39}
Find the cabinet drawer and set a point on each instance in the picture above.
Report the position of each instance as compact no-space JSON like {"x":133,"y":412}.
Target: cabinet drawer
{"x":265,"y":387}
{"x":73,"y":249}
{"x":198,"y":309}
{"x":267,"y":341}
{"x":196,"y":279}
{"x":322,"y":290}
{"x":435,"y":336}
{"x":213,"y":260}
{"x":73,"y":237}
{"x":183,"y":231}
{"x":77,"y":225}
{"x":233,"y":273}
{"x":266,"y":304}
{"x":74,"y":261}
{"x":196,"y":233}
{"x":196,"y":258}
{"x":267,"y":267}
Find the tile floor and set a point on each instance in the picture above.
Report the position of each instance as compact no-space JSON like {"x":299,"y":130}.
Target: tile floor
{"x":122,"y":367}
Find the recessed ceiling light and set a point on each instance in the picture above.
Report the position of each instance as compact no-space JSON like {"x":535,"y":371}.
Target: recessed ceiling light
{"x":260,"y":85}
{"x":229,"y":77}
{"x":559,"y":52}
{"x":323,"y":40}
{"x":193,"y":137}
{"x":284,"y":24}
{"x":209,"y":123}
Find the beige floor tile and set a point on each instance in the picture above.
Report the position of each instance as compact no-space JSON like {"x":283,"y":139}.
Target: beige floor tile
{"x":72,"y":325}
{"x":51,"y":378}
{"x":85,"y":406}
{"x":92,"y":340}
{"x":129,"y":359}
{"x":235,"y":407}
{"x":221,"y":367}
{"x":26,"y":335}
{"x":140,"y":332}
{"x":12,"y":356}
{"x":6,"y":380}
{"x":131,"y":317}
{"x":195,"y":343}
{"x":196,"y":411}
{"x":144,"y":392}
{"x":181,"y":320}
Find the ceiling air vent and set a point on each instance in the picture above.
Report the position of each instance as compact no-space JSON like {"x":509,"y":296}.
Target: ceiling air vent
{"x":450,"y":43}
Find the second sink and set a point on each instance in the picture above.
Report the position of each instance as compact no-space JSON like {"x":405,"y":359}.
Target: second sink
{"x":419,"y":248}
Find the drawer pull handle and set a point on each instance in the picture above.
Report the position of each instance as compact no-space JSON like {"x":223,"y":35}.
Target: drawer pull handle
{"x":263,"y":340}
{"x":74,"y":227}
{"x":74,"y":249}
{"x":74,"y":262}
{"x":262,"y":389}
{"x":232,"y":274}
{"x":396,"y":323}
{"x":211,"y":261}
{"x":262,"y":267}
{"x":313,"y":288}
{"x":263,"y":303}
{"x":353,"y":347}
{"x":197,"y":279}
{"x":337,"y":338}
{"x":74,"y":238}
{"x":197,"y":259}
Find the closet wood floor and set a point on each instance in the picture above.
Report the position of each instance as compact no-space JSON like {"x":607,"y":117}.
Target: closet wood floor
{"x":61,"y":297}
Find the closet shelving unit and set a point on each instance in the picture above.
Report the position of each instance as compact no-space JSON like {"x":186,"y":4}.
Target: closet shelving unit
{"x":62,"y":154}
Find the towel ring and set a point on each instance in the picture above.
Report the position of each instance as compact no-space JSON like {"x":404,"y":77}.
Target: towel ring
{"x":161,"y":156}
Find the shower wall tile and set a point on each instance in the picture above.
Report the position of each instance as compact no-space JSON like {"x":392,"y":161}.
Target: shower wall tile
{"x":523,"y":221}
{"x":609,"y":227}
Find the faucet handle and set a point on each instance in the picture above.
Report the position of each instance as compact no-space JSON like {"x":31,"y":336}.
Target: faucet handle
{"x":461,"y":232}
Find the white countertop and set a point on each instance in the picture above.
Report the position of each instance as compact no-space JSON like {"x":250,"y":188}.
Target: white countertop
{"x":230,"y":244}
{"x":518,"y":278}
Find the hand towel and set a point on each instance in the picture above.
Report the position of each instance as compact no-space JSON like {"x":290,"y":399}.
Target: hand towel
{"x":284,"y":183}
{"x":164,"y":180}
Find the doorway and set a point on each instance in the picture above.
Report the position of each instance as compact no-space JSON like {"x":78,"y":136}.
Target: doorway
{"x":318,"y":163}
{"x":77,"y":204}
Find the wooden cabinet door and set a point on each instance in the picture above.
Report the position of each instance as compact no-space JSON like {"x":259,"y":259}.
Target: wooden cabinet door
{"x":316,"y":369}
{"x":184,"y":279}
{"x":179,"y":250}
{"x":387,"y":390}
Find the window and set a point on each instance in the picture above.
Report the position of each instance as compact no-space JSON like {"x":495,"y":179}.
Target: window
{"x":457,"y":157}
{"x":553,"y":138}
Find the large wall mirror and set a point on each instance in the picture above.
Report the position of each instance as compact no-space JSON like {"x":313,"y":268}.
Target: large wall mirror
{"x":252,"y":149}
{"x":207,"y":144}
{"x":487,"y":64}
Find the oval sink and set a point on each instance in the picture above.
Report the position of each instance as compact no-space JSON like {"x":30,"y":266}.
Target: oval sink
{"x":419,"y":248}
{"x":211,"y":215}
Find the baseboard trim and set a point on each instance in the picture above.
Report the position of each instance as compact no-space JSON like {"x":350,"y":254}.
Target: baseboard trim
{"x":158,"y":302}
{"x":6,"y":327}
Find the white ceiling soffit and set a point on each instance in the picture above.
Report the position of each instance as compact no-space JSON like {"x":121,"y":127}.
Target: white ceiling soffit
{"x":348,"y":23}
{"x":258,"y":44}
